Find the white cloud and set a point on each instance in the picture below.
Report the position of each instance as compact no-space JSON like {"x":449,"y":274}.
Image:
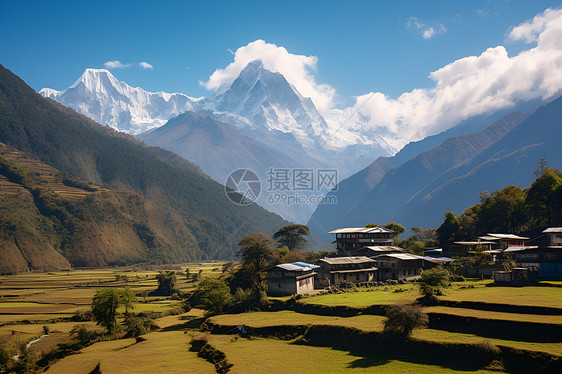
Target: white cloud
{"x":145,"y":65}
{"x":530,"y":31}
{"x":427,"y":31}
{"x":474,"y":85}
{"x":297,"y":69}
{"x":482,"y":12}
{"x":115,"y":65}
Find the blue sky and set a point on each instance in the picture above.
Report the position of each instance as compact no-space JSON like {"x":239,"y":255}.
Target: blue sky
{"x":358,"y":44}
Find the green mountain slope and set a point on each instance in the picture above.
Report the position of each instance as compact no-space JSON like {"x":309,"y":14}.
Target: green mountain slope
{"x":183,"y":215}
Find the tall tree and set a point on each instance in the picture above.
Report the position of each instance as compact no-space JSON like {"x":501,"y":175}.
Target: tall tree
{"x":256,"y":251}
{"x":166,"y":282}
{"x":396,"y":227}
{"x":105,"y":304}
{"x":292,"y":236}
{"x":449,"y":229}
{"x":543,"y":197}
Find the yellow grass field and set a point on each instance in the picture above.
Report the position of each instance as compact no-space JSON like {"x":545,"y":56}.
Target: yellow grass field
{"x":29,"y":301}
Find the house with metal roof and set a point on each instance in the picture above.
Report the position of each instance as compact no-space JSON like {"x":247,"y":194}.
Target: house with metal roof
{"x":353,"y":238}
{"x":292,"y":278}
{"x":543,"y":260}
{"x":503,"y":241}
{"x":398,"y":266}
{"x":351,"y":269}
{"x":555,"y":235}
{"x":375,"y":250}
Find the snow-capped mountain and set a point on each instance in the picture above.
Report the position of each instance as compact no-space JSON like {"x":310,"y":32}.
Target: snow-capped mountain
{"x":261,"y":100}
{"x":269,"y":102}
{"x":100,"y":96}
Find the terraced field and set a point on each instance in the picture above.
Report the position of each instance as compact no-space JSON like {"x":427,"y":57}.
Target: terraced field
{"x":325,"y":333}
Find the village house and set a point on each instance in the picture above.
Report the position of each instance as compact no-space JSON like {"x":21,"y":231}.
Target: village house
{"x":398,"y":266}
{"x":464,"y":248}
{"x":372,"y":251}
{"x":429,"y":262}
{"x":503,"y":241}
{"x":350,"y":239}
{"x":352,"y":269}
{"x":290,"y":279}
{"x":543,"y":260}
{"x":555,"y":236}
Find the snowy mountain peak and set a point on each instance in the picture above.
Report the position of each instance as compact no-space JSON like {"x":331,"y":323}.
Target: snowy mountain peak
{"x":100,"y":96}
{"x":270,"y":103}
{"x":95,"y":79}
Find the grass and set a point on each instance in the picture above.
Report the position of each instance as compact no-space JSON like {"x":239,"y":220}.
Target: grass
{"x":441,"y":336}
{"x":363,"y":298}
{"x":479,"y":291}
{"x":162,"y":352}
{"x":370,"y":323}
{"x":289,"y":318}
{"x":266,"y":356}
{"x":37,"y":328}
{"x":42,"y":297}
{"x":533,"y":318}
{"x":536,"y":296}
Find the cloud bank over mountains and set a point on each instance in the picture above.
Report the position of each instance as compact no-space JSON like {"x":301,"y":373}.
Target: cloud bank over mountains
{"x":467,"y":87}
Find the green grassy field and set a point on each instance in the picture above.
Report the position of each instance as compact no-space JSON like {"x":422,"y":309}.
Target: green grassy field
{"x":376,"y":296}
{"x":533,"y":318}
{"x":276,"y":356}
{"x":535,"y":296}
{"x":479,"y":291}
{"x":369,"y":323}
{"x":441,"y":336}
{"x":162,"y":352}
{"x":289,"y":318}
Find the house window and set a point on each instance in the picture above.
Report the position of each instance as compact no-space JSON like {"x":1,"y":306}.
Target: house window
{"x":357,"y":276}
{"x":345,"y":277}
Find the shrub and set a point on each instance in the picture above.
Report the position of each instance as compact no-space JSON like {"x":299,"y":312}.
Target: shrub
{"x":83,"y":315}
{"x":166,"y":283}
{"x":433,"y":281}
{"x":215,"y":295}
{"x":84,"y":335}
{"x":404,"y":318}
{"x":137,"y":325}
{"x":45,"y":330}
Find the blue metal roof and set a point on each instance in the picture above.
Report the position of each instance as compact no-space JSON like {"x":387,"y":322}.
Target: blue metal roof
{"x":298,"y":266}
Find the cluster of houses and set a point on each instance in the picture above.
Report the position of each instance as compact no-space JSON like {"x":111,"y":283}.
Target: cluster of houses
{"x":367,"y":255}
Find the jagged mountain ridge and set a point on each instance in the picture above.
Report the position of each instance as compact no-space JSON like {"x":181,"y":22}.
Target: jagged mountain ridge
{"x":261,"y":103}
{"x":101,"y":97}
